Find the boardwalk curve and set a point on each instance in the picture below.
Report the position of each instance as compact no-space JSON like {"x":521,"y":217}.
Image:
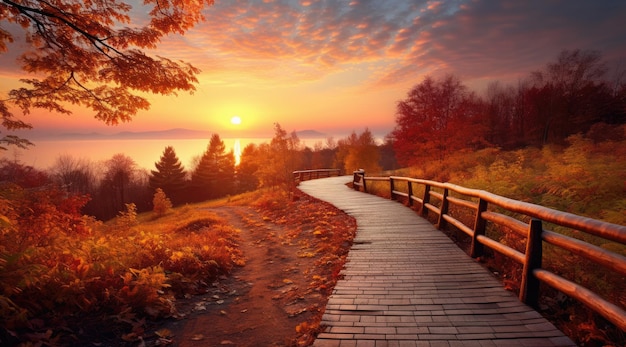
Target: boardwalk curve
{"x":405,"y":283}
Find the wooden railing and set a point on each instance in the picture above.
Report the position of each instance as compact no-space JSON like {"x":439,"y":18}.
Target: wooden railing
{"x":483,"y":205}
{"x":305,"y":175}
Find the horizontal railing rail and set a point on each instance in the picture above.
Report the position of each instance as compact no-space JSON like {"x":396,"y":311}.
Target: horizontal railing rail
{"x":481,"y":203}
{"x":305,"y":175}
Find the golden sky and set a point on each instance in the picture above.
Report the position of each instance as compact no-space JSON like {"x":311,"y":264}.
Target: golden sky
{"x":339,"y":66}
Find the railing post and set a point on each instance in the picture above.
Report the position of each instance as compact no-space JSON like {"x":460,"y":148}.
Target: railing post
{"x":363,"y":180}
{"x":359,"y":177}
{"x":441,"y":223}
{"x":410,"y":191}
{"x":425,"y":200}
{"x":480,"y":225}
{"x":529,"y":291}
{"x":391,"y":188}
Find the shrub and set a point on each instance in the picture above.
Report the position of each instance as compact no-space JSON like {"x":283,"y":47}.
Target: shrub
{"x":127,"y":219}
{"x":161,"y":203}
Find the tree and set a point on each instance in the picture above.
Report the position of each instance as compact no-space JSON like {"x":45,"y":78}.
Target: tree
{"x":22,"y":175}
{"x":280,"y":158}
{"x":324,"y":154}
{"x":169,"y":175}
{"x":247,"y":179}
{"x":215,"y":174}
{"x":437,"y":117}
{"x":567,"y":94}
{"x":90,"y":53}
{"x":115,"y":187}
{"x":161,"y":203}
{"x":360,"y":152}
{"x":498,"y":113}
{"x":74,"y":175}
{"x":388,"y":159}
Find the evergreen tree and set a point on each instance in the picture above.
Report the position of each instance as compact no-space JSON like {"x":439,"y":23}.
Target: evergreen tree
{"x":215,"y":173}
{"x":169,"y":176}
{"x":247,"y":179}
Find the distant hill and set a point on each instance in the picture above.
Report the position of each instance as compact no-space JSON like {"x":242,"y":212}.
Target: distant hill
{"x":177,"y":133}
{"x":142,"y":135}
{"x":308,"y":134}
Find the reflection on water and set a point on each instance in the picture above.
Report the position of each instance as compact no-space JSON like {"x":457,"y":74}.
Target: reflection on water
{"x":237,"y":151}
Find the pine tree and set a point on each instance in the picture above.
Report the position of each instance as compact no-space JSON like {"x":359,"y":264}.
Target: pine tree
{"x":247,"y":179}
{"x":169,"y":176}
{"x":214,"y":176}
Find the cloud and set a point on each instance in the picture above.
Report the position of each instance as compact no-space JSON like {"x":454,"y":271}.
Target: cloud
{"x":494,"y":39}
{"x":293,"y":40}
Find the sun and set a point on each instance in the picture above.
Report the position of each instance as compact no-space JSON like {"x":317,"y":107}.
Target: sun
{"x":236,"y":120}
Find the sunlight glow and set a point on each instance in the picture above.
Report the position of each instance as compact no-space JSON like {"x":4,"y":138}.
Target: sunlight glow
{"x":237,"y":152}
{"x":236,"y":120}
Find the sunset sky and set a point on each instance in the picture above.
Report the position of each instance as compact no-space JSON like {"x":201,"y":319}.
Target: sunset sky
{"x":338,"y":66}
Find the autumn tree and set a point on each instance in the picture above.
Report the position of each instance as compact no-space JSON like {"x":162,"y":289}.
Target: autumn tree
{"x":436,"y":118}
{"x":33,"y":209}
{"x":170,"y":176}
{"x":324,"y":154}
{"x":499,"y":113}
{"x":92,"y":54}
{"x":122,"y":183}
{"x":359,"y":152}
{"x":388,"y":159}
{"x":22,"y":175}
{"x":570,"y":95}
{"x":215,"y":174}
{"x":160,"y":203}
{"x":280,"y":158}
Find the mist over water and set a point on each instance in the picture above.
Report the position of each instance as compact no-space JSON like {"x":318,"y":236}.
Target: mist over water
{"x":145,"y":152}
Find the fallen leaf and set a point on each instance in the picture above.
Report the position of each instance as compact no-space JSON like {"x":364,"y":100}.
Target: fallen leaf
{"x":197,"y":337}
{"x":163,"y":333}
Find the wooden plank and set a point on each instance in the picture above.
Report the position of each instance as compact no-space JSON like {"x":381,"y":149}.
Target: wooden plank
{"x":406,"y":281}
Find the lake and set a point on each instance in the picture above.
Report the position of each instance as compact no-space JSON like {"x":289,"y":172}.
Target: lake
{"x":145,"y":152}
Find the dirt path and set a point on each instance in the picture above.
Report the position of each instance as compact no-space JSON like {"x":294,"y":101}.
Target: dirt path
{"x":278,"y":297}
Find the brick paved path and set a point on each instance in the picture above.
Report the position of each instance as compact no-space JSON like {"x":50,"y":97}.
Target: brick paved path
{"x":407,"y":284}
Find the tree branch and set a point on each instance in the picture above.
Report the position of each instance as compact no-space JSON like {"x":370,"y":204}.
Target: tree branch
{"x":97,"y":42}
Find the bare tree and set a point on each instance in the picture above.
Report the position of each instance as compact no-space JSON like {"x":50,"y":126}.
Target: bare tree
{"x":565,"y":90}
{"x":115,"y":186}
{"x":74,"y":175}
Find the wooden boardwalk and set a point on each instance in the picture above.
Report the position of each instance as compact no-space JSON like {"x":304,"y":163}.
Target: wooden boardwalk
{"x":407,"y":284}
